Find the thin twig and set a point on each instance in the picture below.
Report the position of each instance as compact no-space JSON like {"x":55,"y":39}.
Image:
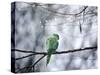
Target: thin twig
{"x":37,"y":4}
{"x":82,"y":10}
{"x":37,"y":61}
{"x":65,"y":13}
{"x":23,"y":57}
{"x":33,"y":65}
{"x":21,"y":51}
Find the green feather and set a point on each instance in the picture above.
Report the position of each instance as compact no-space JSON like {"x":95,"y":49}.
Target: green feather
{"x":49,"y":56}
{"x":52,"y":45}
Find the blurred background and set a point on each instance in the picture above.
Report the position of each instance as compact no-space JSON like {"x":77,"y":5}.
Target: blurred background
{"x":33,"y":23}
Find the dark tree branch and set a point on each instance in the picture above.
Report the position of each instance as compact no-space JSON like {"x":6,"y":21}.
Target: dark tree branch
{"x":82,"y":10}
{"x":21,"y":51}
{"x":37,"y":62}
{"x":22,"y":57}
{"x":85,"y":7}
{"x":65,"y":13}
{"x":45,"y":53}
{"x":61,"y":52}
{"x":33,"y":65}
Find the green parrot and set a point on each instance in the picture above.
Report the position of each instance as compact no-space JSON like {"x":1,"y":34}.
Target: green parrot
{"x":52,"y":44}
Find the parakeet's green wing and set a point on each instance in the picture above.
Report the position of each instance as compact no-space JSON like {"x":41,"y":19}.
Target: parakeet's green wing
{"x":52,"y":45}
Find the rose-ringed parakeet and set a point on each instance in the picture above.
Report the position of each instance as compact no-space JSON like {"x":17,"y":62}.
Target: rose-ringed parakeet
{"x":52,"y":44}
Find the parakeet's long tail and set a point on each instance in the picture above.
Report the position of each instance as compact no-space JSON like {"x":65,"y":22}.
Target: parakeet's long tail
{"x":48,"y":58}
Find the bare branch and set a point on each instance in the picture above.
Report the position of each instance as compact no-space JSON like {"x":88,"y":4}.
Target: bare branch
{"x":45,"y":53}
{"x":37,"y":61}
{"x":65,"y":13}
{"x":33,"y":65}
{"x":82,"y":10}
{"x":22,"y":57}
{"x":21,"y":51}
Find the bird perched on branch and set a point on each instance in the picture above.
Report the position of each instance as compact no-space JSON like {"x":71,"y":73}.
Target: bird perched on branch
{"x":52,"y":44}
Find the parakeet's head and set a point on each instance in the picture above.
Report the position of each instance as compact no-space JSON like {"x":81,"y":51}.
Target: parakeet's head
{"x":56,"y":35}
